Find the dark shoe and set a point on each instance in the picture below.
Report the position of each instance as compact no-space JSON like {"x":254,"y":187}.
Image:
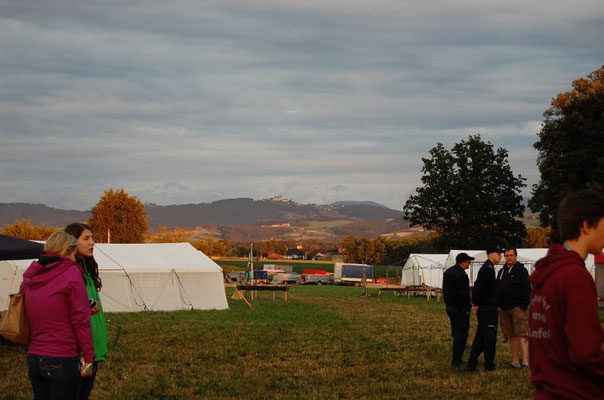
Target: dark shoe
{"x":471,"y":368}
{"x":525,"y":366}
{"x":490,"y":368}
{"x":457,"y":365}
{"x":515,"y":366}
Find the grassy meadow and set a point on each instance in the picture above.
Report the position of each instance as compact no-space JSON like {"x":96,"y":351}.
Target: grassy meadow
{"x":326,"y":342}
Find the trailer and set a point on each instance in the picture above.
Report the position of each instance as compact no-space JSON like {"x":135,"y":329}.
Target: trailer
{"x":317,"y":279}
{"x":286,"y":278}
{"x":352,"y":274}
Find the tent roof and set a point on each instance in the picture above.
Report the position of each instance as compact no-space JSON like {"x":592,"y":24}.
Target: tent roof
{"x":426,"y":260}
{"x":153,"y":257}
{"x":18,"y":249}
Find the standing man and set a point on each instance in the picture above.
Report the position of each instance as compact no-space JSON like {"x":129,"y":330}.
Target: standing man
{"x":514,"y":291}
{"x":456,"y":292}
{"x":483,"y":297}
{"x":565,"y":336}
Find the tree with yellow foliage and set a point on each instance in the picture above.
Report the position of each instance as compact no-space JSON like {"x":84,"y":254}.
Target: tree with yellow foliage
{"x":537,"y":237}
{"x":570,"y":146}
{"x":124,"y":216}
{"x":25,"y":230}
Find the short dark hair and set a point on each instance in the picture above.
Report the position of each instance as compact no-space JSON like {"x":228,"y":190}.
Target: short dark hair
{"x":511,"y":248}
{"x":576,"y":208}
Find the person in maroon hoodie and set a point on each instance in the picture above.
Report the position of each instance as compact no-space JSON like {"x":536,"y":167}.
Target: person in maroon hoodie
{"x":565,"y":335}
{"x":58,"y":311}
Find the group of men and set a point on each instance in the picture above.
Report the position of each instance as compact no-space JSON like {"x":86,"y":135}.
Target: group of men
{"x":505,"y":297}
{"x":562,"y":340}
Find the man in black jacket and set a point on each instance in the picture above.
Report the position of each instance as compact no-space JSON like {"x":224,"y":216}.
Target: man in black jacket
{"x":513,"y":296}
{"x":456,"y":293}
{"x":483,"y":297}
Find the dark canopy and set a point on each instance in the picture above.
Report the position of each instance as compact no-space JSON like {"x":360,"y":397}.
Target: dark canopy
{"x":18,"y":249}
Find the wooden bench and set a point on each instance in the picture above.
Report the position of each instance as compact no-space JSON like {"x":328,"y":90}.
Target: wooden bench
{"x":255,"y":288}
{"x":413,"y":289}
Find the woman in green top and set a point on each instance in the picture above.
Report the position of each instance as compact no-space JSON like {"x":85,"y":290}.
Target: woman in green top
{"x":85,"y":258}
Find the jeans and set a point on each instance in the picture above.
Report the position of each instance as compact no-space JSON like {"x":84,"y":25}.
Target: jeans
{"x":485,"y":340}
{"x":460,"y":325}
{"x":54,"y":377}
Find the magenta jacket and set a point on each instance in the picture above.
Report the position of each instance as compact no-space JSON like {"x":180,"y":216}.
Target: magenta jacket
{"x":57,"y":308}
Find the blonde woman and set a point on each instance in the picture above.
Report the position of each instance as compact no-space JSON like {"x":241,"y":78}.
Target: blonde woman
{"x":58,"y":312}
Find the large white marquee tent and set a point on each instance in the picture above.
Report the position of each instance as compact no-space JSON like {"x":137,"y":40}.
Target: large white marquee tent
{"x":138,"y":277}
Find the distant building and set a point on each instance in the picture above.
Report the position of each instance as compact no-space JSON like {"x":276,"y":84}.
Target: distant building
{"x":333,"y":256}
{"x":280,"y":199}
{"x":294,"y":254}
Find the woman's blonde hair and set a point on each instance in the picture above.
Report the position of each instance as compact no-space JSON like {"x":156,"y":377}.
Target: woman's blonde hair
{"x":61,"y":243}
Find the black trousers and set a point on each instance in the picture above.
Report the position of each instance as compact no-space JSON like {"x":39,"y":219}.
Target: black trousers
{"x":460,"y":325}
{"x":485,"y":340}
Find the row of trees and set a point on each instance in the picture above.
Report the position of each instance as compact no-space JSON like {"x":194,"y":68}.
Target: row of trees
{"x":382,"y":251}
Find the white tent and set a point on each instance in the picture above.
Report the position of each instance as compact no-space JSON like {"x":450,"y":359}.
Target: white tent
{"x":137,"y":277}
{"x":426,"y":269}
{"x":11,"y":273}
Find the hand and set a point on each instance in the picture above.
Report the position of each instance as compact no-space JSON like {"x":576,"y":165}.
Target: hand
{"x":86,"y":370}
{"x":94,"y":310}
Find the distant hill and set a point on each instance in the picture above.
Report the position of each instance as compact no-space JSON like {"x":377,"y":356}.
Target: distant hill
{"x":358,"y":203}
{"x":39,"y":214}
{"x":246,"y":211}
{"x":241,"y":211}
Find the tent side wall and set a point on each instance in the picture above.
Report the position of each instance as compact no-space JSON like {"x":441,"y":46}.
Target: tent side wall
{"x":11,"y":276}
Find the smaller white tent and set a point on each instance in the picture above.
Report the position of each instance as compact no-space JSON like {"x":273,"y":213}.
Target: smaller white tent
{"x":138,"y":277}
{"x":424,"y":269}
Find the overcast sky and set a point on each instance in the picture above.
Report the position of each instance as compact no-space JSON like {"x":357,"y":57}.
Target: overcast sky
{"x":195,"y":101}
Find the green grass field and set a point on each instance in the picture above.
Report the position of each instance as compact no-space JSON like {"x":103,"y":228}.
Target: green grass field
{"x":326,"y":342}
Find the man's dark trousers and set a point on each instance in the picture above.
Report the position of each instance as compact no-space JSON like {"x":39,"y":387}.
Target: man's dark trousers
{"x":485,"y":339}
{"x":460,"y":325}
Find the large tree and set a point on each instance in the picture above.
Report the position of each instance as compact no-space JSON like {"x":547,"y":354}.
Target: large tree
{"x":470,"y":196}
{"x":570,"y":146}
{"x":124,"y":216}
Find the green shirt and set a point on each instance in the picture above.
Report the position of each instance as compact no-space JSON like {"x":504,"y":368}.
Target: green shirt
{"x":97,"y":321}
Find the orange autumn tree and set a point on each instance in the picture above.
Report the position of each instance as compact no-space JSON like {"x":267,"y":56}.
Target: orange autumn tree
{"x":25,"y":230}
{"x":124,"y":216}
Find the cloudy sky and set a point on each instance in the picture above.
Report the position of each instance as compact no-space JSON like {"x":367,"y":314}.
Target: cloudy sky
{"x":194,"y":101}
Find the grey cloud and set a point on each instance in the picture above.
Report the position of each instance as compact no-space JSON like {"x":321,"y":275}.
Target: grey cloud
{"x":191,"y":102}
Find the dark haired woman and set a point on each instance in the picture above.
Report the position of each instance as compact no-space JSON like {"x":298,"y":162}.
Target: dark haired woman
{"x":58,"y":313}
{"x":85,"y":258}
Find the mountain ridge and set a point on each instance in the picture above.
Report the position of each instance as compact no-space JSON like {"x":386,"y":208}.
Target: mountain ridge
{"x":234,"y":211}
